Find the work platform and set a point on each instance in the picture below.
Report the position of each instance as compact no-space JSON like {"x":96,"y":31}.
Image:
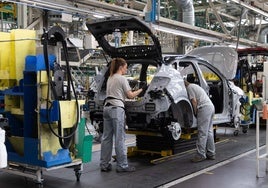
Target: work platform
{"x":235,"y":166}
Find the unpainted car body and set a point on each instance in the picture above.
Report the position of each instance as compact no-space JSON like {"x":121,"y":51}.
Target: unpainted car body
{"x":225,"y":96}
{"x":164,"y":108}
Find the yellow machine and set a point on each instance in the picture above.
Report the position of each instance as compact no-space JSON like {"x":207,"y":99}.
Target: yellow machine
{"x":45,"y":129}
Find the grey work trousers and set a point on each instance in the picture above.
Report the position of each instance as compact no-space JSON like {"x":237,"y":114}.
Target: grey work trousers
{"x":205,"y":141}
{"x":113,"y":124}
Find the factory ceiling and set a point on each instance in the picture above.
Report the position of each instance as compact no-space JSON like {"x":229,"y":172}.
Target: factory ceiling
{"x":230,"y":21}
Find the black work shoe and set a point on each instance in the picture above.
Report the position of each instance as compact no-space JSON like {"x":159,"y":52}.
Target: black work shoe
{"x":106,"y":169}
{"x":211,"y":157}
{"x":198,"y":158}
{"x":127,"y":169}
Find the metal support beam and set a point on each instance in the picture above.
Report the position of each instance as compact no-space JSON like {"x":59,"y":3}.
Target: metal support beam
{"x":22,"y":16}
{"x":34,"y":23}
{"x":228,"y":16}
{"x":242,"y":3}
{"x":90,"y":7}
{"x":187,"y":30}
{"x":218,"y":17}
{"x":245,"y":11}
{"x":259,"y":29}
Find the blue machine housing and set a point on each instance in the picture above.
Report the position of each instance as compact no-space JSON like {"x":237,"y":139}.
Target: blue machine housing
{"x":27,"y":127}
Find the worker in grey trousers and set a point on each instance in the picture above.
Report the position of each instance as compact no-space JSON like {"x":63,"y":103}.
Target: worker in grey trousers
{"x":117,"y":90}
{"x":204,"y":111}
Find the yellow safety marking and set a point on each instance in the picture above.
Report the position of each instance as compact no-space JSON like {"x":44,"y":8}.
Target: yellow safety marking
{"x":133,"y":151}
{"x":165,"y":153}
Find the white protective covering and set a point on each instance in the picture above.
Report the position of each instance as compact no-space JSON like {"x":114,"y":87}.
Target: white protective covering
{"x":3,"y":151}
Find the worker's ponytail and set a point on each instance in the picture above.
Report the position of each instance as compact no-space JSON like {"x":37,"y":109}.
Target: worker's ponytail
{"x":115,"y":64}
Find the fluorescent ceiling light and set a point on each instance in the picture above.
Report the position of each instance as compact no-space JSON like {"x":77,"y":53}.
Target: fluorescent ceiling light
{"x":58,"y":7}
{"x":98,"y":16}
{"x":185,"y":34}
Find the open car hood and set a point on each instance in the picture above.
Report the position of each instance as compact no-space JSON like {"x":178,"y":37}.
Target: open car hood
{"x":111,"y":33}
{"x":224,"y":58}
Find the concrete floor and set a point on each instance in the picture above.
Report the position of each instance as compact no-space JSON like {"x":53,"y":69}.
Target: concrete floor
{"x":240,"y":173}
{"x":234,"y":167}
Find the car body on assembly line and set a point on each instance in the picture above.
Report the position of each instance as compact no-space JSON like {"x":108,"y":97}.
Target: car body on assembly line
{"x":214,"y":68}
{"x":164,"y":109}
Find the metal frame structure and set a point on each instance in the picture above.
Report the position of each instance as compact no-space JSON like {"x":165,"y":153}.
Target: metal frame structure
{"x":258,"y":155}
{"x":89,"y":8}
{"x":36,"y":172}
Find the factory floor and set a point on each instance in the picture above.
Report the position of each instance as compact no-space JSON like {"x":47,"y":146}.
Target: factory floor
{"x":234,"y":167}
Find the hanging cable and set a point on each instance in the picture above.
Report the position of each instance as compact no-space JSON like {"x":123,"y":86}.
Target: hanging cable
{"x":54,"y":35}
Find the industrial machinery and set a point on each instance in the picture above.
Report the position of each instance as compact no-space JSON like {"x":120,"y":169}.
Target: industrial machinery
{"x":250,"y":76}
{"x":45,"y":129}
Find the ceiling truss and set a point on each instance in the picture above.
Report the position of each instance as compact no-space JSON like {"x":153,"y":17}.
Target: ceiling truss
{"x":90,"y":8}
